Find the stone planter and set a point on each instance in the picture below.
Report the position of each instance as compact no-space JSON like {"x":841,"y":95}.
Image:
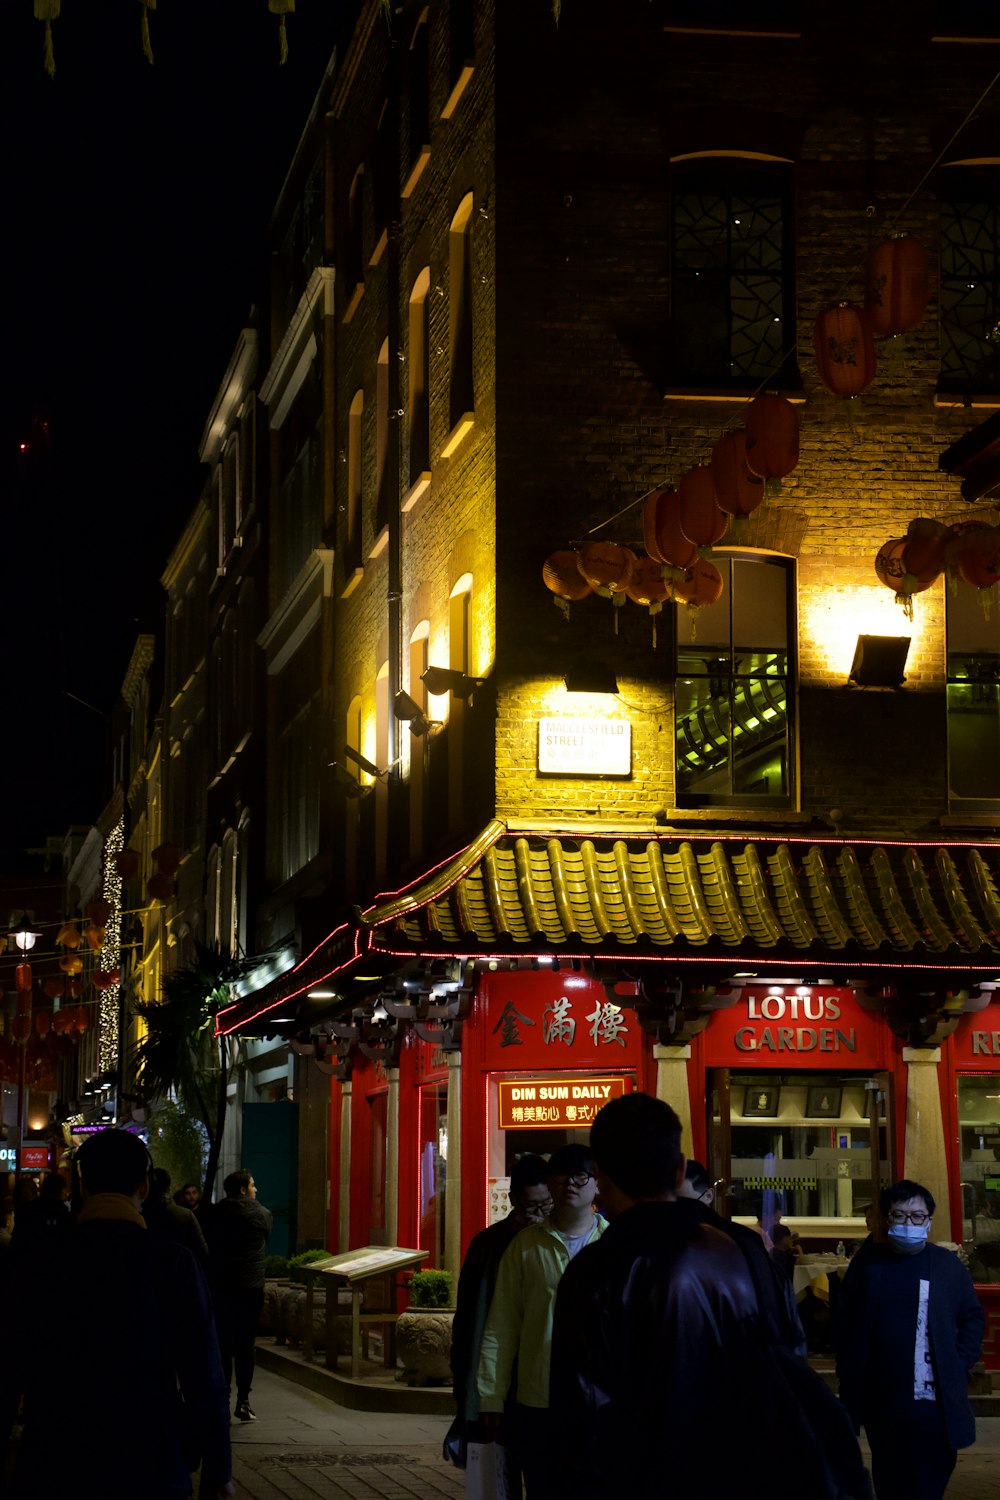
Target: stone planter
{"x":423,"y":1342}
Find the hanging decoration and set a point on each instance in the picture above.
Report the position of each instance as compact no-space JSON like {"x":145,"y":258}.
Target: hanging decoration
{"x":564,"y":580}
{"x":68,"y":936}
{"x":974,"y":554}
{"x":282,"y":8}
{"x":70,"y":964}
{"x":772,"y":438}
{"x":97,"y":911}
{"x":159,"y":887}
{"x":738,"y":490}
{"x":702,"y":520}
{"x":48,"y":11}
{"x":126,"y":863}
{"x":891,"y":570}
{"x":701,"y":586}
{"x":167,"y":858}
{"x":969,"y":550}
{"x":896,"y":286}
{"x":661,"y":526}
{"x":649,"y":588}
{"x":607,"y":567}
{"x":845,"y":349}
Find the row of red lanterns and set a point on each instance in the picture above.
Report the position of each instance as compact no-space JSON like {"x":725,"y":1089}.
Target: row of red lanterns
{"x":63,"y":1022}
{"x":968,"y":550}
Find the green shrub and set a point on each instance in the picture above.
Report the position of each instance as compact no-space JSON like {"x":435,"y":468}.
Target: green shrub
{"x":296,"y":1262}
{"x":276,"y":1266}
{"x":430,"y":1289}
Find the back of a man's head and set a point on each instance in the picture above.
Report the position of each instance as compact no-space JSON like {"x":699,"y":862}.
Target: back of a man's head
{"x":114,"y":1161}
{"x":161,"y":1181}
{"x":528,"y":1171}
{"x":636,"y":1141}
{"x":236,"y":1182}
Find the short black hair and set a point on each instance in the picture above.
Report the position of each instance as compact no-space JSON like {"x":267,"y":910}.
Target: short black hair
{"x":113,"y":1161}
{"x":161,"y":1180}
{"x":528,"y":1171}
{"x":900,"y":1191}
{"x":637,"y":1143}
{"x":236,"y":1182}
{"x":569,"y":1160}
{"x":697,"y":1175}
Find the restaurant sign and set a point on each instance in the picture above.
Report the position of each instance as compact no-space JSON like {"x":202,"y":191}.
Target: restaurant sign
{"x":795,"y":1026}
{"x":556,"y":1102}
{"x":34,"y":1158}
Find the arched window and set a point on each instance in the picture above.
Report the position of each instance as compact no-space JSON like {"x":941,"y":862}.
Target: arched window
{"x":354,"y":267}
{"x":419,"y":413}
{"x":382,"y":758}
{"x":382,"y":476}
{"x":461,"y":398}
{"x":459,"y":651}
{"x":355,"y":478}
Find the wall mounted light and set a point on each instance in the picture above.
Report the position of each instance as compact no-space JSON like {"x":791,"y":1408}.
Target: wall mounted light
{"x":591,"y":677}
{"x":344,"y":781}
{"x":879,"y":661}
{"x":441,"y":680}
{"x":410,"y":712}
{"x":368,"y":766}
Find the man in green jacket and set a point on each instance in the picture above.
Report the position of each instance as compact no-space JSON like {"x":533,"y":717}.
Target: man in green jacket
{"x":519,"y":1323}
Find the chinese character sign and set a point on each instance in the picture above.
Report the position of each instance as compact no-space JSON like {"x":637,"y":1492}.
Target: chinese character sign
{"x":555,"y":1102}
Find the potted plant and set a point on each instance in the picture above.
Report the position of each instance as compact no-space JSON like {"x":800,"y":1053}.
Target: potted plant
{"x":423,"y":1331}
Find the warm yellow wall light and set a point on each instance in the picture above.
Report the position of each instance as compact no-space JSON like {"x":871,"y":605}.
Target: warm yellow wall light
{"x":831,"y":620}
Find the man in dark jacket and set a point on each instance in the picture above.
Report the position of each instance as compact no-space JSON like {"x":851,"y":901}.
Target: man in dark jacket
{"x":910,"y":1330}
{"x":134,"y":1333}
{"x":665,"y":1379}
{"x":170,"y":1221}
{"x":238,"y":1230}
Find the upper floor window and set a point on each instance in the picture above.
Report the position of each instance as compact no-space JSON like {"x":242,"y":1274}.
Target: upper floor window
{"x":385,"y":194}
{"x":733,"y":727}
{"x":419,"y":106}
{"x":732,"y":291}
{"x":248,"y":439}
{"x":419,"y":377}
{"x":355,"y":477}
{"x":970,"y":278}
{"x":460,"y":312}
{"x":354,"y":260}
{"x":382,"y":486}
{"x":461,"y":50}
{"x":973,"y":644}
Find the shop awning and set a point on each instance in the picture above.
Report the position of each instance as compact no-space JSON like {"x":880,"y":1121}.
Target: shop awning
{"x":920,"y":905}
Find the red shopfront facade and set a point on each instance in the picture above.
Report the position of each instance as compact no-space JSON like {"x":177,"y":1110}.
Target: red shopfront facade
{"x":802,"y":1096}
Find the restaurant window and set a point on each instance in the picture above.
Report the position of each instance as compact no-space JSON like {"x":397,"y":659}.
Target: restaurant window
{"x":813,"y":1147}
{"x":970,"y":279}
{"x":733,"y":728}
{"x":979,"y":1134}
{"x":732,"y":292}
{"x":973,"y":703}
{"x":433,"y":1146}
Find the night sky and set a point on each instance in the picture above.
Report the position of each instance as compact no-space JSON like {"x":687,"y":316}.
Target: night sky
{"x":136,"y":202}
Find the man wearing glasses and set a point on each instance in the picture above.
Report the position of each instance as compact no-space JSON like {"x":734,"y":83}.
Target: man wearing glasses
{"x":519,"y":1324}
{"x":910,"y":1330}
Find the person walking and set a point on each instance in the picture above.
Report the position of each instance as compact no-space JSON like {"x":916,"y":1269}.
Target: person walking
{"x":134,"y":1333}
{"x":530,"y":1203}
{"x":165,"y":1217}
{"x":910,"y":1329}
{"x":518,"y":1327}
{"x":238,"y":1231}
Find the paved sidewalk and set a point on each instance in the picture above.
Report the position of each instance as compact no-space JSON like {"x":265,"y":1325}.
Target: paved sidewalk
{"x":305,"y":1447}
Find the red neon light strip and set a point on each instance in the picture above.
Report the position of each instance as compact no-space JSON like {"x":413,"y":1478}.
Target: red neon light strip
{"x":293,"y":994}
{"x":659,"y":958}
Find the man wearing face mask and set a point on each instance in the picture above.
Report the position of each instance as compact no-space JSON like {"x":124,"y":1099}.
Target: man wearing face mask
{"x":910,"y":1330}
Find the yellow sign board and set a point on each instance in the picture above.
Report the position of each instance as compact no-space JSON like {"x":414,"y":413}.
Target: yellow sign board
{"x":560,"y":1103}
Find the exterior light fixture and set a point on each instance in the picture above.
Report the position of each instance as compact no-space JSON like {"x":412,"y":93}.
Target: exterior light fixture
{"x":879,"y":661}
{"x":591,"y":677}
{"x":441,"y":680}
{"x":344,"y":781}
{"x":410,"y":712}
{"x":366,"y":765}
{"x":25,"y":935}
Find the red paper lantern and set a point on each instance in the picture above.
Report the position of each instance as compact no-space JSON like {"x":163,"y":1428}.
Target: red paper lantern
{"x":924,"y":551}
{"x":54,"y":989}
{"x":700,"y":586}
{"x":68,"y":936}
{"x":647,"y":585}
{"x":738,"y":490}
{"x":81,"y":1019}
{"x":126,"y":862}
{"x":606,"y":566}
{"x":897,"y":290}
{"x":43,"y":1022}
{"x":978,"y":557}
{"x":107,"y":979}
{"x":20,"y":1028}
{"x":661,"y":526}
{"x":890,"y":567}
{"x":772,"y":436}
{"x":167,"y":858}
{"x":22,"y":977}
{"x":75,"y":989}
{"x":70,"y":964}
{"x":159,"y":887}
{"x":702,"y":521}
{"x":845,"y":349}
{"x":98,"y":911}
{"x":563,"y":578}
{"x":96,"y":938}
{"x":59,"y":1022}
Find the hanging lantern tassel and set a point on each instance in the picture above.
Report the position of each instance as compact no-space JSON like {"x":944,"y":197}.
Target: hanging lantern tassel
{"x":281,"y":8}
{"x":48,"y":11}
{"x":147,"y":46}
